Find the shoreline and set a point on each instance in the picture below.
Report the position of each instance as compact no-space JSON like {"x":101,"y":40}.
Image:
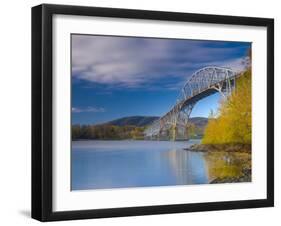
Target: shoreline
{"x":220,"y":147}
{"x":228,"y":148}
{"x":245,"y":177}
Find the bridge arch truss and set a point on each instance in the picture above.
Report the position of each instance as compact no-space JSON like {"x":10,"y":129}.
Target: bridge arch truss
{"x":201,"y":84}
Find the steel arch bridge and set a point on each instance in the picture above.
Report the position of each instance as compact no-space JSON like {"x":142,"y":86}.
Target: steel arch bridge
{"x":202,"y":83}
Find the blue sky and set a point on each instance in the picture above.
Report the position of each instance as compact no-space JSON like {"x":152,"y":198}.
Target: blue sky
{"x":114,"y":77}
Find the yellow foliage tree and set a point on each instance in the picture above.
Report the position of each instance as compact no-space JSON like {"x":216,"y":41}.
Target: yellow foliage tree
{"x":234,"y":121}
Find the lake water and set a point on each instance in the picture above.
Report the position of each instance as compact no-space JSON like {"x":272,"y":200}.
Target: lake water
{"x":122,"y":164}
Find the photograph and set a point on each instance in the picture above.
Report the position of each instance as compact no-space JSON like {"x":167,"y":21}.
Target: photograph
{"x":142,"y":112}
{"x":154,"y":111}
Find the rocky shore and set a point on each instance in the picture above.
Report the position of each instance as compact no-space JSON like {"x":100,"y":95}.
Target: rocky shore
{"x":246,"y":177}
{"x":237,"y":150}
{"x":220,"y":147}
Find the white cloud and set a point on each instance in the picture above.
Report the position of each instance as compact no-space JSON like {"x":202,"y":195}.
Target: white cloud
{"x":109,"y":60}
{"x":235,"y":64}
{"x":87,"y":109}
{"x":134,"y":62}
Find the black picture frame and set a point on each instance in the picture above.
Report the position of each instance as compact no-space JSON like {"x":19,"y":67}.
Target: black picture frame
{"x":42,"y":111}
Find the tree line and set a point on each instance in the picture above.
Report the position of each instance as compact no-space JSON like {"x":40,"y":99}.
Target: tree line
{"x":107,"y":132}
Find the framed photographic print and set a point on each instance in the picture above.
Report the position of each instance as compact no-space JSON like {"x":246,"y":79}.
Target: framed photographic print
{"x":145,"y":112}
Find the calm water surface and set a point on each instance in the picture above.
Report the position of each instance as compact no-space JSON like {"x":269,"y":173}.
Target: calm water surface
{"x":121,"y":164}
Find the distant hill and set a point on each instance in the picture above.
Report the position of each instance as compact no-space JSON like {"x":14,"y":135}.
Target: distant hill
{"x":200,"y":124}
{"x":130,"y":128}
{"x":140,"y":121}
{"x":199,"y":121}
{"x":133,"y":121}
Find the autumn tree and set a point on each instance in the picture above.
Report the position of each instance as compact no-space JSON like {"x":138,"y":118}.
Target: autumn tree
{"x":234,"y":121}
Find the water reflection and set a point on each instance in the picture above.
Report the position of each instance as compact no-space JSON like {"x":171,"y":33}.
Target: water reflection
{"x":187,"y":167}
{"x":122,"y":164}
{"x":226,"y":165}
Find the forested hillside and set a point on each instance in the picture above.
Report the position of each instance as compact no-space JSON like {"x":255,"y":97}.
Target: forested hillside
{"x":130,"y":128}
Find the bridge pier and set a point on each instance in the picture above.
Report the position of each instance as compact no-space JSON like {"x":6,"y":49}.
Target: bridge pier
{"x":174,"y":132}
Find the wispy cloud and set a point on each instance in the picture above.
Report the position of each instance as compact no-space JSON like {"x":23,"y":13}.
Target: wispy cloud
{"x":235,"y":64}
{"x":141,"y":62}
{"x":87,"y":109}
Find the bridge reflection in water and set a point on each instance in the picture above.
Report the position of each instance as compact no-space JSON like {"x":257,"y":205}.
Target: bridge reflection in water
{"x":203,"y":83}
{"x":188,"y":167}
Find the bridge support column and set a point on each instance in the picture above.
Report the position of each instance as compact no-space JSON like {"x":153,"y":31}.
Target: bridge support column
{"x":174,"y":121}
{"x":219,"y":87}
{"x":174,"y":132}
{"x":187,"y":111}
